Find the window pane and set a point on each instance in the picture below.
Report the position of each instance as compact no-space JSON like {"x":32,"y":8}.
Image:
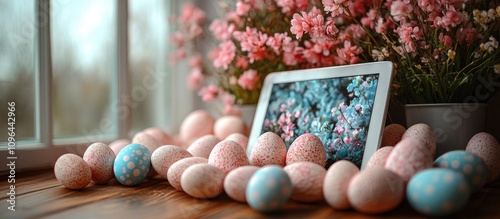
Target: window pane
{"x":147,"y":37}
{"x":17,"y":22}
{"x":83,"y":62}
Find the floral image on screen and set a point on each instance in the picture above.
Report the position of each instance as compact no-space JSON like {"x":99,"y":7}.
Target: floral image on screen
{"x":336,"y":110}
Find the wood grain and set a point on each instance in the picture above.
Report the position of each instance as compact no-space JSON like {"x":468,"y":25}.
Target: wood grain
{"x":39,"y":195}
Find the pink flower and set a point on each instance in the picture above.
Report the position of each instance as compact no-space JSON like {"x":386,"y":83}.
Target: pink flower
{"x":290,"y":6}
{"x":408,"y":35}
{"x":467,"y":35}
{"x":428,"y":5}
{"x":400,"y":9}
{"x":195,"y":79}
{"x":209,"y":93}
{"x":451,"y":18}
{"x":445,"y":39}
{"x":241,"y":62}
{"x":335,"y":7}
{"x":299,"y":25}
{"x":221,"y":29}
{"x":348,"y":54}
{"x":195,"y":61}
{"x":275,"y":42}
{"x":249,"y":79}
{"x":192,"y":14}
{"x":253,"y":42}
{"x":224,"y":54}
{"x":177,"y":39}
{"x":243,"y":7}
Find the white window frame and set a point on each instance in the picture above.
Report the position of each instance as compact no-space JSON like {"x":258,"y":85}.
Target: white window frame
{"x":44,"y":151}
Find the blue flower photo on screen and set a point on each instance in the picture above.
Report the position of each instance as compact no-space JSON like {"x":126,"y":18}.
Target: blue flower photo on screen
{"x":336,"y":110}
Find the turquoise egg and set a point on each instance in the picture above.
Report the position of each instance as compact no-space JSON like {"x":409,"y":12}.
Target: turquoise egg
{"x":269,"y":189}
{"x":437,"y":192}
{"x":470,"y":165}
{"x":132,"y":164}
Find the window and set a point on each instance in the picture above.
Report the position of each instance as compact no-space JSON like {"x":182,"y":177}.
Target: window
{"x":85,"y":71}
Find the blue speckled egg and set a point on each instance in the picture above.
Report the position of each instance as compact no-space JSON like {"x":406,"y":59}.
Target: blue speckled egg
{"x":470,"y":165}
{"x":132,"y":164}
{"x":269,"y":189}
{"x":437,"y":192}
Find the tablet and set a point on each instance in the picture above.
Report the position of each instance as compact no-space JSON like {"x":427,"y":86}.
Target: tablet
{"x":345,"y":106}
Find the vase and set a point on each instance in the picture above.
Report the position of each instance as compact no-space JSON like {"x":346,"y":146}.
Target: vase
{"x":248,"y":113}
{"x":453,"y":124}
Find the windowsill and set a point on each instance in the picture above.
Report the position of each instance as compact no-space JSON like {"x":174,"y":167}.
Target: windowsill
{"x":39,"y":194}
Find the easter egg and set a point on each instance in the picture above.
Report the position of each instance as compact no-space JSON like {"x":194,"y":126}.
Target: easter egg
{"x":146,"y":140}
{"x":470,"y":165}
{"x":175,"y":171}
{"x":72,"y":171}
{"x":307,"y":147}
{"x":228,"y":155}
{"x":380,"y":156}
{"x":100,"y":159}
{"x":375,"y":190}
{"x":196,"y":124}
{"x":163,"y":157}
{"x":336,"y":182}
{"x":392,"y":134}
{"x":408,"y":157}
{"x":118,"y":145}
{"x":307,"y":181}
{"x":202,"y":146}
{"x":438,"y":192}
{"x":132,"y":164}
{"x":161,"y":137}
{"x":269,"y":148}
{"x":203,"y":181}
{"x":423,"y":133}
{"x":269,"y":189}
{"x":227,"y":125}
{"x":239,"y":138}
{"x":236,"y":181}
{"x":486,"y":147}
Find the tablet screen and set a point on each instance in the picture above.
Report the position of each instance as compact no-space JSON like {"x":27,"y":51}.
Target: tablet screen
{"x":337,"y":110}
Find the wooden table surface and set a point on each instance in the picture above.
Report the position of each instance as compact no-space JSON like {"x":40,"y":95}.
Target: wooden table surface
{"x":40,"y":195}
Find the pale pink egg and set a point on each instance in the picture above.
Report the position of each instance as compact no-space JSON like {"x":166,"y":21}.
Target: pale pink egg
{"x":239,"y":138}
{"x":392,"y":134}
{"x":409,"y":157}
{"x":146,"y":140}
{"x":336,"y":182}
{"x":423,"y":133}
{"x":202,"y":147}
{"x":162,"y":137}
{"x":307,"y":181}
{"x":175,"y":171}
{"x":72,"y":171}
{"x":203,"y":181}
{"x":486,"y":147}
{"x":269,"y":148}
{"x":196,"y":124}
{"x":119,"y":144}
{"x":307,"y":147}
{"x":228,"y":155}
{"x":163,"y":157}
{"x":100,"y":159}
{"x":236,"y":181}
{"x":375,"y":190}
{"x":379,"y":158}
{"x":227,"y":125}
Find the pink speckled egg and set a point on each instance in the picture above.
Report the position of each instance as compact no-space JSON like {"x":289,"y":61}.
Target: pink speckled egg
{"x":423,"y":133}
{"x":408,"y":157}
{"x":486,"y":147}
{"x":239,"y":138}
{"x":196,"y":124}
{"x":147,"y":140}
{"x":375,"y":190}
{"x":336,"y":182}
{"x":203,"y":181}
{"x":307,"y":147}
{"x":307,"y":181}
{"x":226,"y":125}
{"x":100,"y":159}
{"x":118,"y":145}
{"x":162,"y":137}
{"x":72,"y":171}
{"x":228,"y":155}
{"x":392,"y":134}
{"x":175,"y":171}
{"x":379,"y":158}
{"x":269,"y":148}
{"x":236,"y":181}
{"x":202,"y":147}
{"x":163,"y":157}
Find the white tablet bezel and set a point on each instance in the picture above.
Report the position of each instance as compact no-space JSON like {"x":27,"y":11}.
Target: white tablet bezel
{"x":384,"y":69}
